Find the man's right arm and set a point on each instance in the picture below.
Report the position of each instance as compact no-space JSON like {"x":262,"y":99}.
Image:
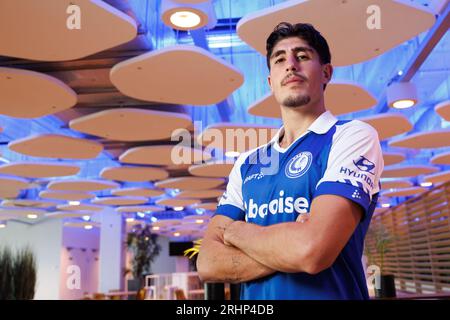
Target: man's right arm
{"x":218,"y":262}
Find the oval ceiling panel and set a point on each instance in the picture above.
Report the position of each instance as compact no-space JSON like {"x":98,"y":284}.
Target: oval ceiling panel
{"x":28,"y":94}
{"x":61,"y":30}
{"x":164,"y":76}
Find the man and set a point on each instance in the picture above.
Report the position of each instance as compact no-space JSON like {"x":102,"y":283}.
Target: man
{"x":298,"y":233}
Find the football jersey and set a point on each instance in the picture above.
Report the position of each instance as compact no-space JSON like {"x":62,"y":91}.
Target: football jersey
{"x":271,"y":185}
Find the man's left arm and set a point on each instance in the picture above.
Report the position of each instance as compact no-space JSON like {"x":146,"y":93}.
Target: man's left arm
{"x":343,"y":197}
{"x":300,"y":247}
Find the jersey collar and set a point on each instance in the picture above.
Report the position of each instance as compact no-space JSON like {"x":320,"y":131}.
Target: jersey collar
{"x":321,"y":125}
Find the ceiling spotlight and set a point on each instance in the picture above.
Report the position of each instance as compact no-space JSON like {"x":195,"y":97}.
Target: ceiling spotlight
{"x":32,"y":216}
{"x":88,"y":226}
{"x":199,"y":221}
{"x":178,"y":208}
{"x":156,"y":228}
{"x":2,"y":224}
{"x":401,"y":95}
{"x":426,"y":184}
{"x":385,"y":205}
{"x":188,"y":15}
{"x":130,"y":219}
{"x":185,"y":19}
{"x":86,"y":217}
{"x":176,"y":234}
{"x":74,"y":203}
{"x":141,"y":214}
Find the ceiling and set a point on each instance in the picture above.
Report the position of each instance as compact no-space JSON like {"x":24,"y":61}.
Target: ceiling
{"x":91,"y":91}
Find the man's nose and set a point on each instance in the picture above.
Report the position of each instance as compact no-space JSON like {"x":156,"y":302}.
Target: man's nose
{"x":292,"y":63}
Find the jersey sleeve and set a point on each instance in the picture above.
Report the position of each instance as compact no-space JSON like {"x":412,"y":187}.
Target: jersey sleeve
{"x":231,"y":203}
{"x":354,"y":165}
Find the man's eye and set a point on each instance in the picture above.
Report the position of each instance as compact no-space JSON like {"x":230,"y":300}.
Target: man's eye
{"x":279,"y":60}
{"x":303,"y":57}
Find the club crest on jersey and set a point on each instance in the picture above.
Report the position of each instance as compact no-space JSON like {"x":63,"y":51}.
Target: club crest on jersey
{"x":298,"y":165}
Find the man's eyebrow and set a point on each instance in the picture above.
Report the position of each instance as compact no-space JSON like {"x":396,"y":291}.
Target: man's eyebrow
{"x":304,"y":49}
{"x":295,"y":50}
{"x":277,"y":53}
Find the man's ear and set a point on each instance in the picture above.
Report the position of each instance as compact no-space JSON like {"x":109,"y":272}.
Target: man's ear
{"x":269,"y":81}
{"x":327,"y":72}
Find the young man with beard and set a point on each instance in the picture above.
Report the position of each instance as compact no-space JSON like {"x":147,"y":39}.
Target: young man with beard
{"x":298,"y":232}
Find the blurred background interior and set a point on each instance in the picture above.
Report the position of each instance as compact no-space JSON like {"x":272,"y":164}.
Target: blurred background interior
{"x":93,"y":198}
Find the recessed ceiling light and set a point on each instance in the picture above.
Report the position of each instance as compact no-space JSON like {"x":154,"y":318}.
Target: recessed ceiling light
{"x":88,"y":227}
{"x":32,"y":216}
{"x":176,"y":234}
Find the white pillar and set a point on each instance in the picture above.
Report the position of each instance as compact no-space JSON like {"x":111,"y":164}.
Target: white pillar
{"x":112,"y":259}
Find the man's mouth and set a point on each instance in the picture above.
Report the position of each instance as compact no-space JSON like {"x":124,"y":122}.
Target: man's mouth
{"x":293,"y":79}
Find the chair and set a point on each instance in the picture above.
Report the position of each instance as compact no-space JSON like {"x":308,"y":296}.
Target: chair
{"x":179,"y":294}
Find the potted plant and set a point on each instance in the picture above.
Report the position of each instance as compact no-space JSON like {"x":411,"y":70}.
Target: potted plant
{"x":17,"y":274}
{"x":6,"y":274}
{"x":382,"y":239}
{"x":24,"y":274}
{"x":145,"y":248}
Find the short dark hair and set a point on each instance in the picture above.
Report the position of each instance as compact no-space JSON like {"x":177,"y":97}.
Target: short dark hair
{"x":304,"y":31}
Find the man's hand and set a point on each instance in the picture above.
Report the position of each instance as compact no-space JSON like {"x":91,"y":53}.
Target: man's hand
{"x":310,"y":244}
{"x":232,"y":231}
{"x":218,"y":260}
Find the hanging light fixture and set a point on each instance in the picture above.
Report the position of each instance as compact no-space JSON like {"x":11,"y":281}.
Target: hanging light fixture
{"x":401,"y":95}
{"x":188,"y":14}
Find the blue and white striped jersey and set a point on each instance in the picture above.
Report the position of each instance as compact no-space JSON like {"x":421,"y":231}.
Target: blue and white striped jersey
{"x":270,"y":185}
